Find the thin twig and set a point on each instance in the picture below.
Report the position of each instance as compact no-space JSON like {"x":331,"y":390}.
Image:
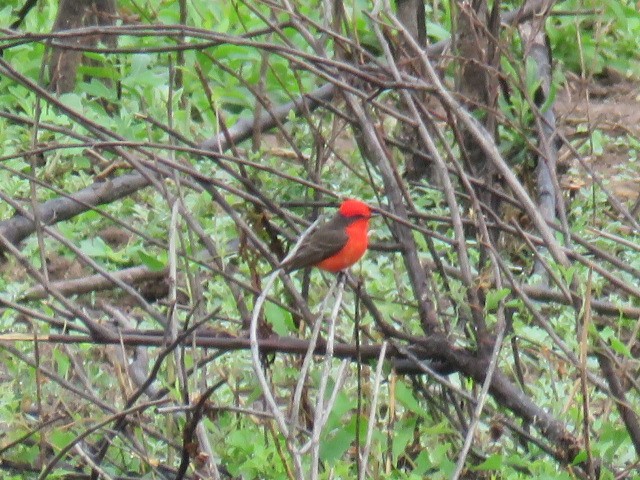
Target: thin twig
{"x":373,"y":411}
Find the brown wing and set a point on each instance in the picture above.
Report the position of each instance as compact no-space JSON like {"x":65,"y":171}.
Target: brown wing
{"x":327,"y":240}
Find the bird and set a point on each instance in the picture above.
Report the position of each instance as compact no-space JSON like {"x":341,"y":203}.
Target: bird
{"x":336,"y":244}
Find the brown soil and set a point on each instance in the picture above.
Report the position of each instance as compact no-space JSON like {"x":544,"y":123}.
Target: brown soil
{"x":611,"y":106}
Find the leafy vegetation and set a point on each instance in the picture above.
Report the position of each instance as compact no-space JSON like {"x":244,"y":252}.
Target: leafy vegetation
{"x":162,"y":110}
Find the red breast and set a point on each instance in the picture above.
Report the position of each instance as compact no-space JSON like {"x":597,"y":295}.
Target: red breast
{"x":357,"y":233}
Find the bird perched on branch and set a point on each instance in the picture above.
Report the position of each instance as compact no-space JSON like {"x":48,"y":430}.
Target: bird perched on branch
{"x":337,"y":244}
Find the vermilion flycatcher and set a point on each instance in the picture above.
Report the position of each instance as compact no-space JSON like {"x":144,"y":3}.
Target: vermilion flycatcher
{"x":336,"y":244}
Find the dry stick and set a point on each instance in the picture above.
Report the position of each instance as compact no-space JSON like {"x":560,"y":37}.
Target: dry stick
{"x":484,"y":231}
{"x":59,"y":209}
{"x":486,"y":143}
{"x":69,"y":205}
{"x":572,"y":254}
{"x":546,"y":234}
{"x":220,"y":341}
{"x":262,"y":102}
{"x":605,"y":256}
{"x":172,"y":317}
{"x":547,"y":182}
{"x":594,"y":176}
{"x":95,"y":283}
{"x":372,"y":413}
{"x":52,"y":376}
{"x":605,"y":272}
{"x":482,"y":398}
{"x":615,"y":238}
{"x":86,"y":260}
{"x":628,"y":413}
{"x":424,"y":367}
{"x":585,"y":318}
{"x":30,"y":313}
{"x":300,"y":58}
{"x":378,"y":155}
{"x":133,"y":275}
{"x":97,"y":129}
{"x":215,"y":39}
{"x":265,"y":122}
{"x":615,"y":203}
{"x":116,"y":416}
{"x":318,"y":425}
{"x":542,"y":322}
{"x":121,"y":422}
{"x":461,"y":246}
{"x":295,"y":346}
{"x":491,"y":150}
{"x":257,"y":364}
{"x":138,"y":368}
{"x":544,"y":265}
{"x":308,"y":357}
{"x":89,"y":461}
{"x":500,"y":314}
{"x":194,"y":419}
{"x":81,"y":393}
{"x":226,"y":271}
{"x":545,"y":294}
{"x":97,"y":330}
{"x":32,"y":186}
{"x":208,"y":465}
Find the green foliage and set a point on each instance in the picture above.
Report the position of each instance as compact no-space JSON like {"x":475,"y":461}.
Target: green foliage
{"x":414,"y":439}
{"x":609,"y":38}
{"x":249,"y":458}
{"x":281,"y":319}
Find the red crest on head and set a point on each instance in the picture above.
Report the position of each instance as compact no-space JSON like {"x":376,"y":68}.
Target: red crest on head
{"x":354,"y":208}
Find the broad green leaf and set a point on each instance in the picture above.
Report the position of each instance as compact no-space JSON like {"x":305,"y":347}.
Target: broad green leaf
{"x":61,"y":438}
{"x":95,"y":247}
{"x":279,"y":318}
{"x":405,"y":396}
{"x":494,"y":462}
{"x":152,"y":262}
{"x":494,"y":297}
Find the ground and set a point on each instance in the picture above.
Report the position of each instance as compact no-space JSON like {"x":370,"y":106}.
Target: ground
{"x":610,"y":106}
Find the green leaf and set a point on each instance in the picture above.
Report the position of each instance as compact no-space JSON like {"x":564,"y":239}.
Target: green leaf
{"x":403,"y":433}
{"x":98,"y":89}
{"x":338,"y":443}
{"x":62,"y":362}
{"x":28,"y":455}
{"x":73,"y":101}
{"x":406,"y":398}
{"x":494,"y":297}
{"x":494,"y":462}
{"x":279,"y":318}
{"x":437,"y":32}
{"x":61,"y":438}
{"x":95,"y":247}
{"x":580,"y":457}
{"x":551,"y":97}
{"x":532,"y":77}
{"x":568,"y":273}
{"x":422,"y":463}
{"x":620,"y":347}
{"x":152,"y":262}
